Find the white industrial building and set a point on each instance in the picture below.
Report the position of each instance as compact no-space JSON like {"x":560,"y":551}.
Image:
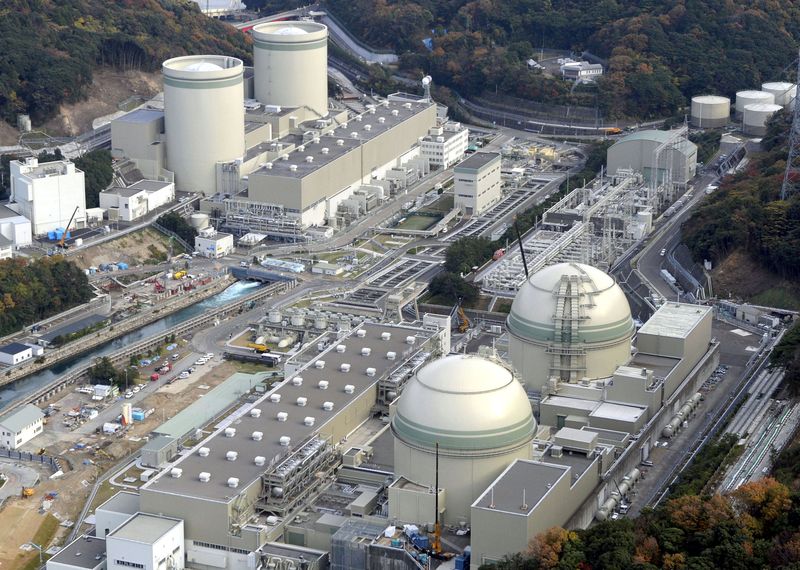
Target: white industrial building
{"x":445,"y":144}
{"x":581,"y":70}
{"x":146,"y":542}
{"x":48,"y":193}
{"x":139,"y":136}
{"x":211,"y":243}
{"x":15,"y":352}
{"x":83,"y":553}
{"x":20,"y":426}
{"x":15,"y":228}
{"x":478,"y":183}
{"x":137,"y":200}
{"x":658,"y":155}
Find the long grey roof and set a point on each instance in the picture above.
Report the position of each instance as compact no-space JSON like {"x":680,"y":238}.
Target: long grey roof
{"x":14,"y":348}
{"x":522,"y":480}
{"x":25,"y":416}
{"x":83,"y":552}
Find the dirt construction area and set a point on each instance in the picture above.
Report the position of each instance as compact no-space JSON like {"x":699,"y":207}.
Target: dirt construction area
{"x":133,"y":249}
{"x":85,"y":458}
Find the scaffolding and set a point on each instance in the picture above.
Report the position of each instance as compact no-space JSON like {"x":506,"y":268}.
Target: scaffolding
{"x":240,"y":217}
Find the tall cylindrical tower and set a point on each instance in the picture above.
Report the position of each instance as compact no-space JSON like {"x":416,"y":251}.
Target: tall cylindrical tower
{"x":291,"y":64}
{"x":203,"y":117}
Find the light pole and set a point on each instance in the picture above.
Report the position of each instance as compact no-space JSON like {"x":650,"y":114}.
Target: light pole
{"x":37,"y":547}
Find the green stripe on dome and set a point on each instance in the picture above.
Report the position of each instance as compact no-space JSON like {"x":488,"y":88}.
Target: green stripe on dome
{"x":415,"y":433}
{"x":202,"y":83}
{"x":586,"y":333}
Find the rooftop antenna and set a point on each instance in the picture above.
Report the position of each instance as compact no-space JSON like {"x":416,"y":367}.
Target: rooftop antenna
{"x":524,"y":505}
{"x":521,"y":249}
{"x":426,"y":86}
{"x":491,"y":498}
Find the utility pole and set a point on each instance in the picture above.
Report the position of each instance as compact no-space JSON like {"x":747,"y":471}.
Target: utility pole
{"x":791,"y":179}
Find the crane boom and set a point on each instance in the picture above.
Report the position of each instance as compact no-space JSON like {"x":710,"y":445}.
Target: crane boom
{"x":61,"y":242}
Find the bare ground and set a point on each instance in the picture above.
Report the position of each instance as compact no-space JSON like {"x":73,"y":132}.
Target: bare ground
{"x":132,"y":249}
{"x":738,"y":276}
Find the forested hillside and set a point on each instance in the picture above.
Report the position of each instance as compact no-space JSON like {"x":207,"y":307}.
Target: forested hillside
{"x":48,"y":48}
{"x":658,"y":52}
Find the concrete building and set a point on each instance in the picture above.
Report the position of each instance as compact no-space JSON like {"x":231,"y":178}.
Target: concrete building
{"x":159,"y":450}
{"x":477,"y":182}
{"x":115,"y":512}
{"x":639,"y":152}
{"x":581,"y":71}
{"x":48,"y":193}
{"x":146,"y":542}
{"x":139,"y":136}
{"x":291,"y":65}
{"x":137,"y":200}
{"x":445,"y":144}
{"x":83,"y":553}
{"x":203,"y":118}
{"x":211,"y":243}
{"x":478,"y":414}
{"x":16,"y":229}
{"x":309,"y":178}
{"x":14,"y":353}
{"x":19,"y":427}
{"x":327,"y":268}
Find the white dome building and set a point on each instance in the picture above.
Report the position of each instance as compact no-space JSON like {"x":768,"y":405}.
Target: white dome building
{"x":477,"y":412}
{"x":569,"y":322}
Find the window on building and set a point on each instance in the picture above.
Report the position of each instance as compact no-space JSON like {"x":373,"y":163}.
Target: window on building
{"x":128,"y":564}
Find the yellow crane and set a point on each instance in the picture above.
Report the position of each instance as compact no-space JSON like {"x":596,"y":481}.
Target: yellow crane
{"x":260,"y":348}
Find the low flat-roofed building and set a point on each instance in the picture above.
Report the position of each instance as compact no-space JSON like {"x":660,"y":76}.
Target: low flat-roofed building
{"x":139,"y":136}
{"x":214,"y":244}
{"x":445,"y":144}
{"x":115,"y":511}
{"x":146,"y":542}
{"x":15,"y":352}
{"x":15,"y":227}
{"x":20,"y":426}
{"x":137,"y":200}
{"x":327,"y":268}
{"x":83,"y":553}
{"x":478,"y":183}
{"x":159,"y":450}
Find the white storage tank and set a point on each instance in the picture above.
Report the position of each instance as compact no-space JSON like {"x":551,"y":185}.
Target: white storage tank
{"x":756,"y":117}
{"x":744,"y":98}
{"x":274,"y":316}
{"x":199,"y":220}
{"x":291,"y":65}
{"x":783,"y":92}
{"x":298,"y":319}
{"x":203,"y":118}
{"x":710,"y":111}
{"x":320,"y":322}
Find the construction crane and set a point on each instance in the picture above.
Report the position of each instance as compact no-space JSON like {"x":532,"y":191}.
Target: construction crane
{"x":259,"y":348}
{"x":463,"y":320}
{"x":62,"y":242}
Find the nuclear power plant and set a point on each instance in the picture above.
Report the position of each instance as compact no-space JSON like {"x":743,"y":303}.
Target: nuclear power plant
{"x":268,"y":150}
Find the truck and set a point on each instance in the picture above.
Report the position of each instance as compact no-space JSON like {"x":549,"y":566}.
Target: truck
{"x":498,"y":254}
{"x":179,"y":274}
{"x":154,"y":376}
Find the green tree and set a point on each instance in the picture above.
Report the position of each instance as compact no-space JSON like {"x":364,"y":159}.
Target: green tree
{"x":98,"y":174}
{"x":453,"y":288}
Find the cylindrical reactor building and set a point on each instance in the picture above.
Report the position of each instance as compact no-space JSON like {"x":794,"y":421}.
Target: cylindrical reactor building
{"x":480,"y":416}
{"x":710,"y":111}
{"x":290,"y":61}
{"x":203,"y":117}
{"x":568,"y":322}
{"x":756,"y":117}
{"x":744,"y":98}
{"x":783,"y":92}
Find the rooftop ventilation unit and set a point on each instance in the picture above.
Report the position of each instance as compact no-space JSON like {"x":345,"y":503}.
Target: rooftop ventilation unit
{"x":345,"y":367}
{"x":371,"y":110}
{"x":230,"y":432}
{"x":381,"y":120}
{"x":301,"y":148}
{"x":340,"y":348}
{"x":339,"y":142}
{"x":316,"y":140}
{"x":354,"y":135}
{"x":205,"y":476}
{"x":366,"y":351}
{"x":556,"y":451}
{"x":233,"y":482}
{"x":439,"y":139}
{"x":319,"y":364}
{"x":175,"y":472}
{"x":282,"y":416}
{"x":411,"y":339}
{"x":407,"y":105}
{"x":349,"y":389}
{"x":255,"y":413}
{"x":297,"y":381}
{"x":386,"y":336}
{"x":260,"y":460}
{"x":284,"y":157}
{"x":275,"y":398}
{"x":232,"y":455}
{"x":327,"y":406}
{"x":325,"y":150}
{"x":395,"y":112}
{"x":301,"y":401}
{"x":361,"y":333}
{"x":371,"y":372}
{"x":293,"y":168}
{"x":203,"y":452}
{"x":285,"y":440}
{"x":367,"y":128}
{"x":257,"y":436}
{"x":391,"y":355}
{"x":323,"y":384}
{"x":309,"y":159}
{"x":268,"y":166}
{"x":309,"y":421}
{"x":359,"y":118}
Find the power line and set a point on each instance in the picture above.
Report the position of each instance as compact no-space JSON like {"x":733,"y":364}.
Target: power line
{"x":791,"y":179}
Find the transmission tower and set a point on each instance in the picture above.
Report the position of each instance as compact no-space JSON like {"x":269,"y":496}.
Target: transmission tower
{"x":791,"y":180}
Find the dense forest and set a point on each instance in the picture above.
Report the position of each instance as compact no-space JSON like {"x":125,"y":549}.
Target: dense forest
{"x":746,"y":214}
{"x":756,"y":526}
{"x":33,"y":291}
{"x":48,"y":48}
{"x":657,"y":52}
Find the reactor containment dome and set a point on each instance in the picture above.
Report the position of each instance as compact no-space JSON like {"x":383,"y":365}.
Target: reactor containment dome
{"x":291,"y":65}
{"x":479,"y":415}
{"x":568,"y":323}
